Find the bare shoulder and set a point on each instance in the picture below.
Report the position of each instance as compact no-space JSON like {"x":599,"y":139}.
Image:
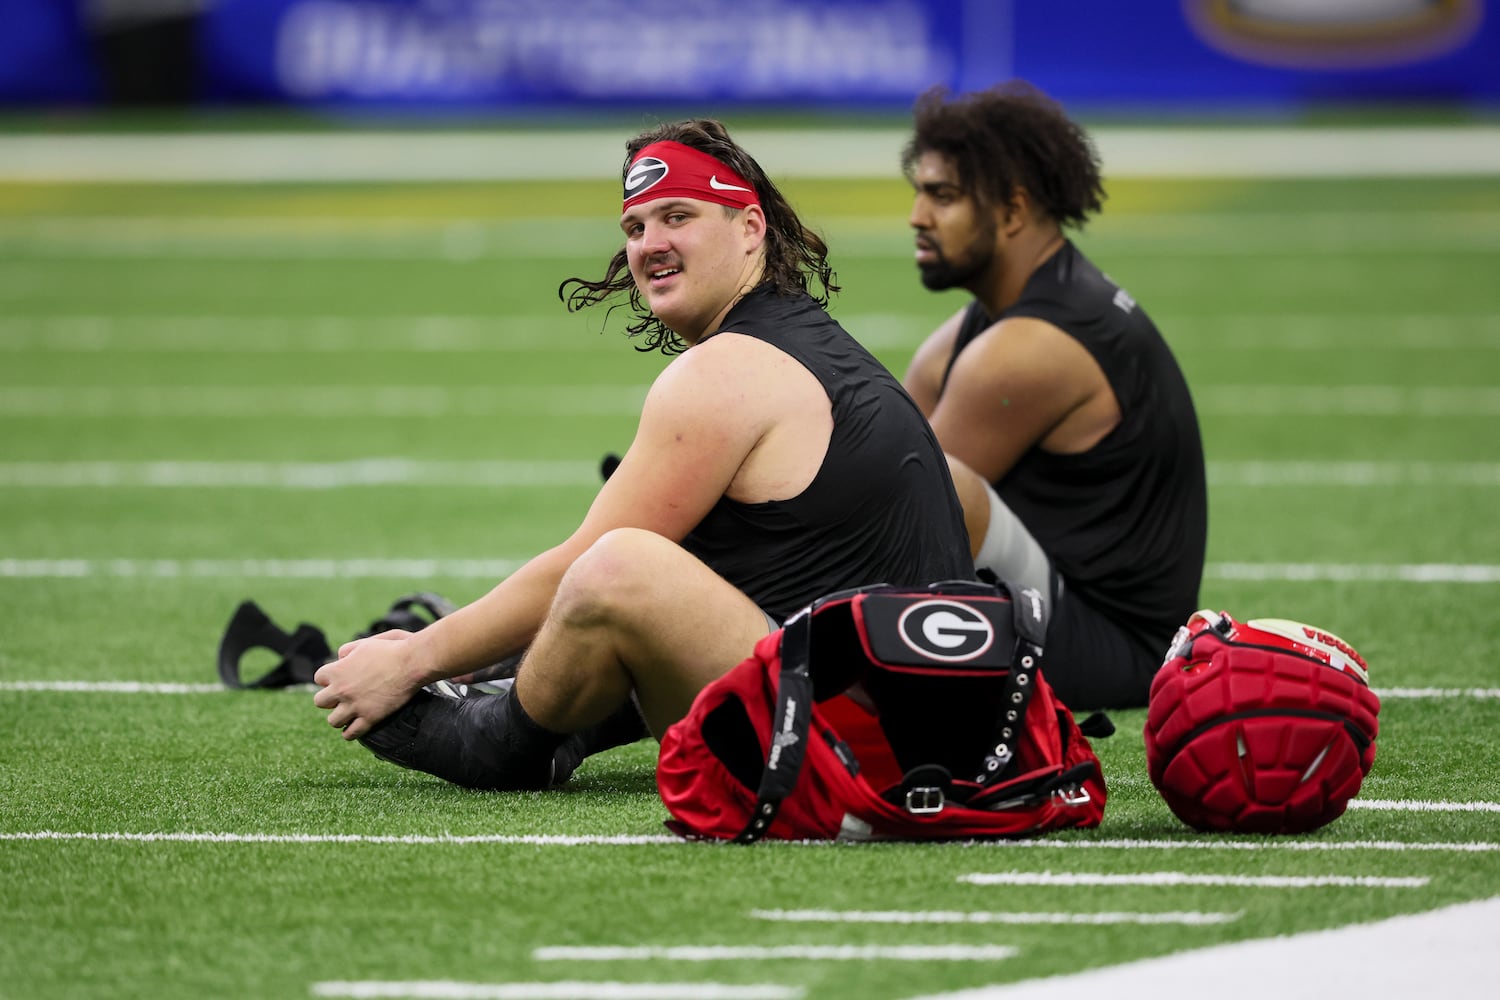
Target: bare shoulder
{"x":1023,"y":351}
{"x":739,"y":372}
{"x":732,"y":351}
{"x":701,"y":421}
{"x":1022,"y":382}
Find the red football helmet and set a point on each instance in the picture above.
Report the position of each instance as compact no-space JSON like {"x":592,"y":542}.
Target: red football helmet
{"x":1266,"y":726}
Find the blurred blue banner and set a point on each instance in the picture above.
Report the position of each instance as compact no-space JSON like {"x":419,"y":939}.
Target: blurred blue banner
{"x":500,"y":53}
{"x":45,"y":54}
{"x":515,"y":55}
{"x":1196,"y":53}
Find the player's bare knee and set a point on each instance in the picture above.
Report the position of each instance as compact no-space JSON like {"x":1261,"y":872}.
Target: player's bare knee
{"x":608,"y":582}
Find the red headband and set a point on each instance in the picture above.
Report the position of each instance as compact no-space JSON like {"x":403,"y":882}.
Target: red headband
{"x":672,"y":170}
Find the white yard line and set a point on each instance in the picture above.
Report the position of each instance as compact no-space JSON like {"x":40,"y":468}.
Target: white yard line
{"x":1303,"y":333}
{"x":442,"y":989}
{"x":339,"y":401}
{"x":633,"y":840}
{"x":276,"y":569}
{"x":591,"y":154}
{"x":766,"y":953}
{"x":111,"y":687}
{"x":558,"y":332}
{"x":532,"y":840}
{"x":1185,"y":918}
{"x":1188,"y":878}
{"x":321,"y":402}
{"x":495,"y":569}
{"x":280,"y":335}
{"x":520,"y":473}
{"x":1350,"y":474}
{"x":305,"y":475}
{"x":153,"y":687}
{"x":1422,"y":805}
{"x":1354,"y":572}
{"x":286,"y":238}
{"x":1443,"y":953}
{"x":1430,"y":692}
{"x":1271,"y":844}
{"x":1347,"y":400}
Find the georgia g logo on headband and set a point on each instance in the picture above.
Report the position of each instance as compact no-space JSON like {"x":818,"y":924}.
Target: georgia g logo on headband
{"x":643,"y":174}
{"x":945,"y":630}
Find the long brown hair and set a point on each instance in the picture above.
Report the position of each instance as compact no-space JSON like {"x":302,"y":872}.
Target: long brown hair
{"x":796,"y":257}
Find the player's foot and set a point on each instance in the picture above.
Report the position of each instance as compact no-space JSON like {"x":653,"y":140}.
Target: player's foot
{"x":465,"y":740}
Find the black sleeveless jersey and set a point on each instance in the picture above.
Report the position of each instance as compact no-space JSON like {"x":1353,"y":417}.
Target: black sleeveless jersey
{"x":1126,"y":522}
{"x":881,"y":508}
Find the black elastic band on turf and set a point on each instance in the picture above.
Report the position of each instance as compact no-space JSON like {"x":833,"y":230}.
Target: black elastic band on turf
{"x":302,"y":651}
{"x":404,"y":614}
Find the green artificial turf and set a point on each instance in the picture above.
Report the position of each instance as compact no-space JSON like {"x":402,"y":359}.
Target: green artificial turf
{"x":1328,"y":323}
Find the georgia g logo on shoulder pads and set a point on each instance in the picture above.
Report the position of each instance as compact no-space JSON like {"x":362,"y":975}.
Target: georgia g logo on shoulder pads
{"x":644,"y":173}
{"x":945,"y":630}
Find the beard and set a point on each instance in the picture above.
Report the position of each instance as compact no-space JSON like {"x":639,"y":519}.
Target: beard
{"x":946,"y":272}
{"x":943,"y":274}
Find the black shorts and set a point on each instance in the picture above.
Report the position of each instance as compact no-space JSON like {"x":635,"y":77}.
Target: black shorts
{"x":1091,"y":662}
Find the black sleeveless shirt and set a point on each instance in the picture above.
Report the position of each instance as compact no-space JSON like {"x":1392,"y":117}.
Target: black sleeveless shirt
{"x":1126,"y":522}
{"x":881,"y":508}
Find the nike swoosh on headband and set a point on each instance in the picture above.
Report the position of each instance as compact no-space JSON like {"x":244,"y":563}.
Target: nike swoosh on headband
{"x":718,"y":185}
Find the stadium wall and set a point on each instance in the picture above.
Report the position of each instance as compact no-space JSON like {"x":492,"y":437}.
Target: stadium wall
{"x":539,"y":56}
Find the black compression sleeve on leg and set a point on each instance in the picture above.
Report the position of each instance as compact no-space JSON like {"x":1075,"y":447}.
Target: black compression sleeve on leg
{"x":504,"y":747}
{"x":487,"y":742}
{"x":624,"y":726}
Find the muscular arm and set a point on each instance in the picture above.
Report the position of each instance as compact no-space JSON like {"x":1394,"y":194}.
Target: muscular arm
{"x":1022,"y":382}
{"x":686,"y":451}
{"x":700,"y":436}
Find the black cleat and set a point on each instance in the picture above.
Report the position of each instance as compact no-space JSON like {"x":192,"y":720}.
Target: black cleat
{"x":459,"y":691}
{"x":466,"y":740}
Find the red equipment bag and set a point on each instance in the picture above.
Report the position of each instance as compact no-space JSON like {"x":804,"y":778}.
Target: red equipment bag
{"x":1265,"y":726}
{"x":885,"y":713}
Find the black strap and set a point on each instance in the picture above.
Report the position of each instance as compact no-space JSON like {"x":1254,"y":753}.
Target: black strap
{"x":1031,"y":615}
{"x":306,"y":648}
{"x":411,"y":613}
{"x":302,"y":651}
{"x":789,"y":726}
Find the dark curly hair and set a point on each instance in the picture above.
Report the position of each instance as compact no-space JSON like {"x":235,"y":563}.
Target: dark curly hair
{"x":796,"y":257}
{"x":1007,"y":137}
